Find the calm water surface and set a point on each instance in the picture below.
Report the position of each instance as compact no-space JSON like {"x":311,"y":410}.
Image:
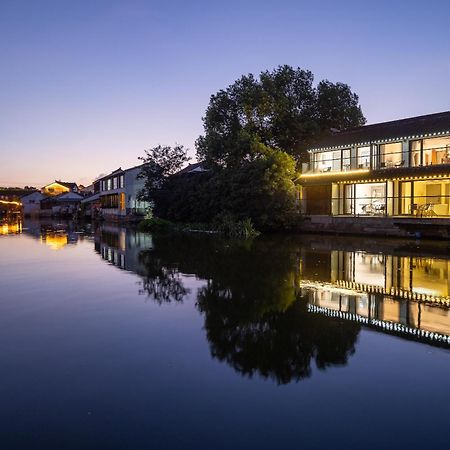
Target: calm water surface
{"x":112,"y":339}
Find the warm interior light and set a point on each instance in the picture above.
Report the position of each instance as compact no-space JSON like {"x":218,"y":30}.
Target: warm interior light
{"x":331,"y":174}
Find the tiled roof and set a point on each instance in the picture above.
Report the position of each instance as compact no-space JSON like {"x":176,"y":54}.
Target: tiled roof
{"x":396,"y":129}
{"x":192,"y":168}
{"x":68,"y":185}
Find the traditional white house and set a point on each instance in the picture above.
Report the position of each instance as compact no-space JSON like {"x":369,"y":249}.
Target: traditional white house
{"x":65,"y":204}
{"x":119,"y":193}
{"x":59,"y":187}
{"x":31,"y":203}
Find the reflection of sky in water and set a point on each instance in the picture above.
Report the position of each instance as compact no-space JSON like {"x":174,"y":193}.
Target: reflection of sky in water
{"x":89,"y":354}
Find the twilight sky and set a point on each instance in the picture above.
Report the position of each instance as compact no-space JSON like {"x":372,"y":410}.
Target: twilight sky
{"x":87,"y":85}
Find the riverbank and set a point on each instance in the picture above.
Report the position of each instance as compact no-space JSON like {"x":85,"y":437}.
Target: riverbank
{"x":396,"y":227}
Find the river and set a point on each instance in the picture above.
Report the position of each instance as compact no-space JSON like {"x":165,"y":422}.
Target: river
{"x":115,"y":339}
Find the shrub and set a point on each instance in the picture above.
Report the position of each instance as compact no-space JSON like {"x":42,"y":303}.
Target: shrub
{"x":155,"y":224}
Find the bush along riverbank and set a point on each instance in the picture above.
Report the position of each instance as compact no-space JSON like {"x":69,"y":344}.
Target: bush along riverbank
{"x":224,"y":225}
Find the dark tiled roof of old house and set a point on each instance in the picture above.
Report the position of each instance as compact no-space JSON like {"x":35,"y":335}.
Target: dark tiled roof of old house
{"x":67,"y":184}
{"x":192,"y":168}
{"x":396,"y":129}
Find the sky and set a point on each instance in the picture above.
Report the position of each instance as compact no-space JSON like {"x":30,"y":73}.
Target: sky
{"x":87,"y":86}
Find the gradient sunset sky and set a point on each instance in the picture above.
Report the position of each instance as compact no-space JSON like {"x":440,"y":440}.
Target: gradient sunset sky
{"x":86,"y":86}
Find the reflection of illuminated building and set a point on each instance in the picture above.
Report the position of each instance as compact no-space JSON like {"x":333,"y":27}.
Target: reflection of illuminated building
{"x":55,"y":235}
{"x":395,"y":293}
{"x":55,"y":241}
{"x":121,"y":247}
{"x":11,"y":228}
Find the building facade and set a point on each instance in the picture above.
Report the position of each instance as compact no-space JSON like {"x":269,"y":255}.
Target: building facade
{"x":31,"y":203}
{"x":59,"y":187}
{"x":118,"y":193}
{"x":393,"y":169}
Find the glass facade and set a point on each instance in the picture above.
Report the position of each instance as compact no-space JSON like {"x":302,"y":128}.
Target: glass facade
{"x":332,"y":161}
{"x":430,"y":198}
{"x":363,"y":157}
{"x":412,"y":153}
{"x":436,"y":151}
{"x":361,"y":199}
{"x":391,"y":155}
{"x":421,"y":198}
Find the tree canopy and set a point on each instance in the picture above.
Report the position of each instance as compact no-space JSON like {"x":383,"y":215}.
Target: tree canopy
{"x":256,"y":131}
{"x":280,"y":109}
{"x":263,"y":190}
{"x":159,"y":163}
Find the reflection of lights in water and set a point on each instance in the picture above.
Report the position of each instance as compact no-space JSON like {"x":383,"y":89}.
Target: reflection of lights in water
{"x":385,"y":325}
{"x":14,"y":228}
{"x":358,"y":289}
{"x":425,"y":291}
{"x":329,"y":288}
{"x":55,"y":241}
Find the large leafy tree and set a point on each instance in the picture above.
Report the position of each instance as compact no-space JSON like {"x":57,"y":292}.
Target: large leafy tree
{"x":263,"y":189}
{"x":159,"y":163}
{"x":281,"y":109}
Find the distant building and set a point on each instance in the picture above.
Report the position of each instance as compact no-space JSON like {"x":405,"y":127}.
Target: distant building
{"x":86,"y":190}
{"x":59,"y":187}
{"x":31,"y":203}
{"x":65,"y":204}
{"x":118,"y":193}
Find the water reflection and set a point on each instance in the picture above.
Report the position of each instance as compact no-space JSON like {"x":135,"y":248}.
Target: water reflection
{"x":278,"y":307}
{"x":10,"y":228}
{"x":254,"y":318}
{"x":405,"y":295}
{"x":56,"y":235}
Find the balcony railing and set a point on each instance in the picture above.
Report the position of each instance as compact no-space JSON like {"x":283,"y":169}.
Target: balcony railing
{"x":418,"y":158}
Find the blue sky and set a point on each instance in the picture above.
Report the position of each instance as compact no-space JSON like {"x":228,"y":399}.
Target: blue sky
{"x":86,"y":86}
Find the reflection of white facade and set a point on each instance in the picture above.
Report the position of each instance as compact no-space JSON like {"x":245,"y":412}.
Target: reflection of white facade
{"x":121,"y":247}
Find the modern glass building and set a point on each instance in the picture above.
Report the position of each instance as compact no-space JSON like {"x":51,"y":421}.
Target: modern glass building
{"x":398,"y":168}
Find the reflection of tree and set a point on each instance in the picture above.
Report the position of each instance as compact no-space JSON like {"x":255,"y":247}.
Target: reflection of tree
{"x":280,"y":345}
{"x":253,"y":317}
{"x":163,"y":284}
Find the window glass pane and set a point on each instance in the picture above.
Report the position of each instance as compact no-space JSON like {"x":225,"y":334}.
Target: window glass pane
{"x":348,"y":199}
{"x":363,"y":157}
{"x":391,"y":155}
{"x":370,"y":199}
{"x":436,"y":151}
{"x":432,"y":198}
{"x":407,"y":205}
{"x":346,"y":159}
{"x":324,"y":162}
{"x":415,"y":153}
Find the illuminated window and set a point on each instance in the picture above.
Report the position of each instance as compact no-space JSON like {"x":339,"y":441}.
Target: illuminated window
{"x":391,"y":155}
{"x":416,"y":153}
{"x":363,"y":157}
{"x":365,"y":199}
{"x":122,"y":201}
{"x":436,"y":151}
{"x":332,"y":161}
